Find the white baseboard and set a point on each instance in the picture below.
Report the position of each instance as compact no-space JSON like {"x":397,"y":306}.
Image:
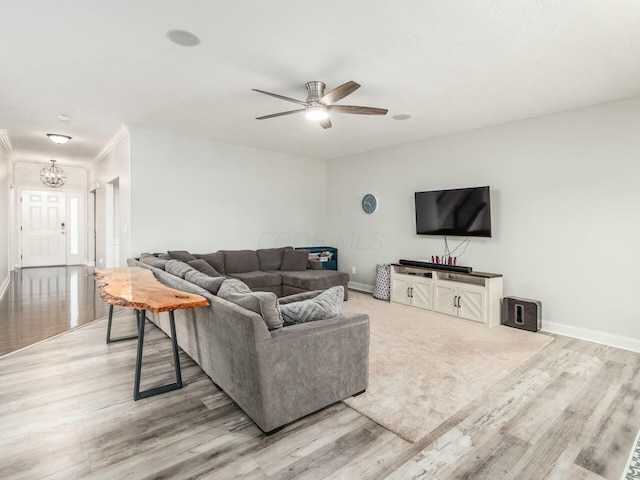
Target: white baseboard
{"x":361,"y":287}
{"x":624,"y":343}
{"x":5,"y":285}
{"x":594,"y":336}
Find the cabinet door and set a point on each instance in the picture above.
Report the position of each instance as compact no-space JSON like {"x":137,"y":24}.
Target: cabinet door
{"x":400,"y":290}
{"x":471,"y":303}
{"x":422,"y":294}
{"x":444,"y":299}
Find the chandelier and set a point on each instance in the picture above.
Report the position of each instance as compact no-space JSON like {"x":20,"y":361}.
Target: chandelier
{"x":53,"y":176}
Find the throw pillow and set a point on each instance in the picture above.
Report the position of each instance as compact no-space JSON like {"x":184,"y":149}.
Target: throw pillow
{"x":271,"y":258}
{"x":325,"y":305}
{"x":216,"y":260}
{"x":263,"y":303}
{"x":181,"y":255}
{"x":177,"y":268}
{"x":212,"y":284}
{"x":152,"y":260}
{"x":204,"y":267}
{"x":294,"y":260}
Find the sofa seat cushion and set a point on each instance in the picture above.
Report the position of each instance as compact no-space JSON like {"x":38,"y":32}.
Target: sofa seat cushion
{"x":325,"y":305}
{"x":314,"y":279}
{"x":259,"y":279}
{"x":263,"y":303}
{"x":240,"y":261}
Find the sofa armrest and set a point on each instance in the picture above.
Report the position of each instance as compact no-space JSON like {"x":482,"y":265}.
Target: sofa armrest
{"x":308,"y":366}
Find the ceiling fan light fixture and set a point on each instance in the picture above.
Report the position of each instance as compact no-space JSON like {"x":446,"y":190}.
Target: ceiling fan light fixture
{"x":316,"y":112}
{"x":58,"y":138}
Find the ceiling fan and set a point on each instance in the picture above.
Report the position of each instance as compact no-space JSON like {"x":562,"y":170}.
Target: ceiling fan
{"x":319,"y":104}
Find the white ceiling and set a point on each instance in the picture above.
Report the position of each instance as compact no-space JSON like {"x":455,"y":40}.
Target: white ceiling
{"x":452,"y":65}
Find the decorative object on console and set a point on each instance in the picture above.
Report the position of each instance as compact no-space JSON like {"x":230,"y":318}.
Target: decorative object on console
{"x":53,"y":176}
{"x":369,"y":203}
{"x":327,"y":256}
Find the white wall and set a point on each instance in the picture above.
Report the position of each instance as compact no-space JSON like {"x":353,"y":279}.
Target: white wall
{"x":565,"y":202}
{"x":112,"y":167}
{"x":202,"y":196}
{"x":5,"y":192}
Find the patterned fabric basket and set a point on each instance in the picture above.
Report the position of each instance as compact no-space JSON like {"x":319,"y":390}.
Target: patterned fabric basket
{"x":383,"y":282}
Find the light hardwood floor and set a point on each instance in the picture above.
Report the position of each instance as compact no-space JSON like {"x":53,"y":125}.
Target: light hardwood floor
{"x":66,"y":411}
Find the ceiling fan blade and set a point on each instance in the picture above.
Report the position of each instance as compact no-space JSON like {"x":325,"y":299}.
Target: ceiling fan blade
{"x":280,"y":114}
{"x":281,"y":97}
{"x":326,"y":123}
{"x":339,"y":93}
{"x":357,"y":110}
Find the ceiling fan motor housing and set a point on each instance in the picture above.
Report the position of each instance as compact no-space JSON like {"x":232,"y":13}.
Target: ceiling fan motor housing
{"x":316,"y":91}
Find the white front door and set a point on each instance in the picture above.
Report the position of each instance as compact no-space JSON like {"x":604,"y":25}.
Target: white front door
{"x":43,"y":228}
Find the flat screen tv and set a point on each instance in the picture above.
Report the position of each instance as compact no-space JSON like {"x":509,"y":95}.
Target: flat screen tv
{"x":464,"y":212}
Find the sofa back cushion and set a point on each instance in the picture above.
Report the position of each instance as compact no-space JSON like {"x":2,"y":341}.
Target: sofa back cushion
{"x":177,"y":268}
{"x":152,"y":260}
{"x":271,"y":258}
{"x":294,"y":260}
{"x":181,"y":255}
{"x":203,"y":266}
{"x":263,"y":303}
{"x":240,"y":261}
{"x":211,"y":284}
{"x":216,"y":260}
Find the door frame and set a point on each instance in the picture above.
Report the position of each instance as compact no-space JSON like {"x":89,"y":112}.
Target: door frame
{"x":81,"y":258}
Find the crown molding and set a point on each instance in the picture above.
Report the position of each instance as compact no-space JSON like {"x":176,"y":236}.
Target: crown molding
{"x":122,"y":133}
{"x":6,"y":141}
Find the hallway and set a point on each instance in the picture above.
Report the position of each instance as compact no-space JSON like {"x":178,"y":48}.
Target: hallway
{"x":45,"y":301}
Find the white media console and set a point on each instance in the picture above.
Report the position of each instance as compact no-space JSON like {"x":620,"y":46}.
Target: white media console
{"x":474,"y":296}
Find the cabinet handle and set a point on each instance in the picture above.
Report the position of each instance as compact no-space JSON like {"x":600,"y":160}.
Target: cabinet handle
{"x":409,"y":292}
{"x":455,"y":301}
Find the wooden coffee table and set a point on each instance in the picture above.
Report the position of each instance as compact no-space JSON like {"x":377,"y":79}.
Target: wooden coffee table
{"x":137,"y":288}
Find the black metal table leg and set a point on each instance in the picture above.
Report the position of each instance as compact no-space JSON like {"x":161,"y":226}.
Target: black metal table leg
{"x":112,"y":340}
{"x":137,"y":394}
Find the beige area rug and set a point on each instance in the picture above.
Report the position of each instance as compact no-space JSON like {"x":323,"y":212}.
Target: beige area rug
{"x":424,"y":367}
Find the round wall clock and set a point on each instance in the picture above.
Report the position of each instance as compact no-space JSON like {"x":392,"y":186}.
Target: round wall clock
{"x":369,"y":203}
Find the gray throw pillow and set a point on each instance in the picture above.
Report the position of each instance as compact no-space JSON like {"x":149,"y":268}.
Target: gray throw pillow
{"x":177,"y":268}
{"x":294,"y":260}
{"x":212,"y":284}
{"x":204,"y":267}
{"x":152,"y":260}
{"x":263,"y":303}
{"x":325,"y":305}
{"x":181,"y":255}
{"x":216,"y":260}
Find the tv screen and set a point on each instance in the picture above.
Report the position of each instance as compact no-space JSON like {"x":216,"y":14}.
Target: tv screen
{"x":464,"y":212}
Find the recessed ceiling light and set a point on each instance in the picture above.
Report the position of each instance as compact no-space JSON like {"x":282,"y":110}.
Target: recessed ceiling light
{"x":58,"y":138}
{"x":401,"y":116}
{"x":64,"y":118}
{"x":183,"y":38}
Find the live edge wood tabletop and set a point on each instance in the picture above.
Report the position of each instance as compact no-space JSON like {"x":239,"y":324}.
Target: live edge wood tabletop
{"x":137,"y":288}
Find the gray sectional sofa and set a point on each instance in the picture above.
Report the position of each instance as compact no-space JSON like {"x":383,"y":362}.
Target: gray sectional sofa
{"x":276,"y":376}
{"x":283,"y":271}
